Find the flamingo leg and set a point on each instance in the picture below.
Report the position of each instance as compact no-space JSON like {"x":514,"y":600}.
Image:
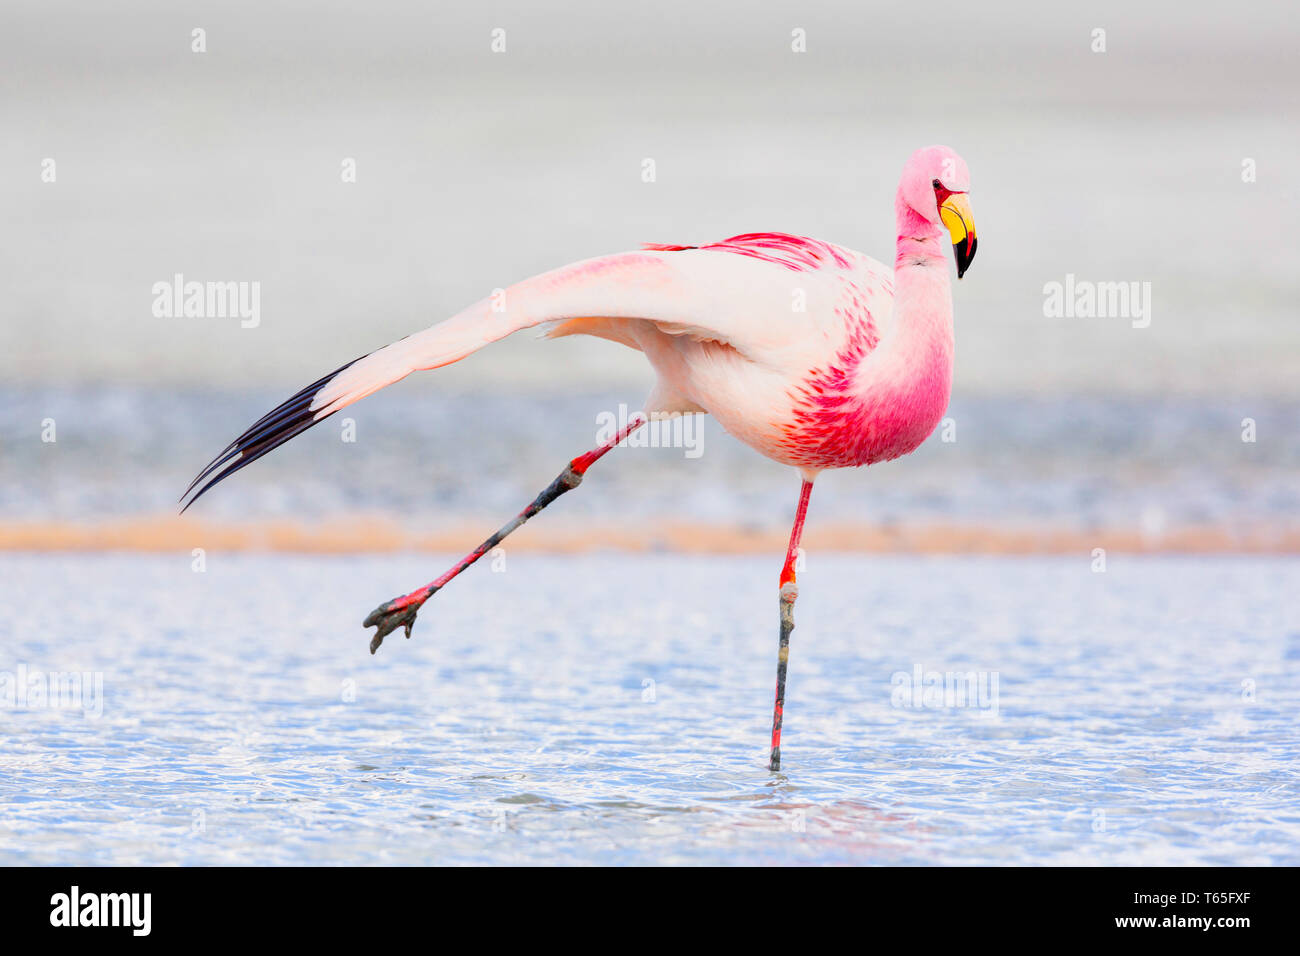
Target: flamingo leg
{"x":789,"y":591}
{"x":400,"y":612}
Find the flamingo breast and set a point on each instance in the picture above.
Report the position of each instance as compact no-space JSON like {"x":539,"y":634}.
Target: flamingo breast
{"x":857,"y":390}
{"x":870,"y":402}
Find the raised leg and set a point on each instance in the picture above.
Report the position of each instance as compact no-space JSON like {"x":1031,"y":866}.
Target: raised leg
{"x":789,"y":591}
{"x":400,"y":612}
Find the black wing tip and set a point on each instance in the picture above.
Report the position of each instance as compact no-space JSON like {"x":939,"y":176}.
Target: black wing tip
{"x":288,"y":419}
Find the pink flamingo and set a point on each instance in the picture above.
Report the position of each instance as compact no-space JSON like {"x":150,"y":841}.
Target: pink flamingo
{"x":814,"y":355}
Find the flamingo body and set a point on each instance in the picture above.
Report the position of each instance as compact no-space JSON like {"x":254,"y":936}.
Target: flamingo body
{"x":814,"y":355}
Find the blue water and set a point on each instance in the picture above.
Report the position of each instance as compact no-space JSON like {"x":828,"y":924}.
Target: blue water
{"x":429,"y":454}
{"x":615,"y":709}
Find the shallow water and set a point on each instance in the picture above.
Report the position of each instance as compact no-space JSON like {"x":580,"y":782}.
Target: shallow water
{"x":615,"y":709}
{"x":428,"y":454}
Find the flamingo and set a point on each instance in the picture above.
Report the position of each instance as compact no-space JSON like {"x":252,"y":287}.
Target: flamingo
{"x":815,"y":356}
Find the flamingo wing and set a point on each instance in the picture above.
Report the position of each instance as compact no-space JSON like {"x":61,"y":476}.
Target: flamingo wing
{"x":739,"y":293}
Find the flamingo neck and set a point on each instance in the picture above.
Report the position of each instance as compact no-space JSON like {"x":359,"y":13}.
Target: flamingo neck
{"x":915,"y":370}
{"x":885,"y":394}
{"x":919,"y":239}
{"x":922,"y":291}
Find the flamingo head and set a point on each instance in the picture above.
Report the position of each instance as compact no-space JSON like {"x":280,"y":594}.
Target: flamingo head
{"x":935,"y":185}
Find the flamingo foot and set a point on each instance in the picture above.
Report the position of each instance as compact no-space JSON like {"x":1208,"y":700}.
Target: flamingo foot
{"x":389,"y":616}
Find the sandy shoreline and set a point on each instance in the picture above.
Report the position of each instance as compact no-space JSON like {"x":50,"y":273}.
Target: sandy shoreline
{"x":381,"y":534}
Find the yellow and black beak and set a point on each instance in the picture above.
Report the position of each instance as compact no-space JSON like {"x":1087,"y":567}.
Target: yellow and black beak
{"x":956,"y":215}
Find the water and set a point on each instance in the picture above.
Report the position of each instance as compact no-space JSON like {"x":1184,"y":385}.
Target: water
{"x":615,"y":709}
{"x":430,"y":455}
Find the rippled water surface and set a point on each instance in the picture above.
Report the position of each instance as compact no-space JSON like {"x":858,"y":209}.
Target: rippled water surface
{"x":614,"y":709}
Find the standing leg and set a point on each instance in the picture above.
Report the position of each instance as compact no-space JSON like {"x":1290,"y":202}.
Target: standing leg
{"x":789,"y":591}
{"x":400,"y":612}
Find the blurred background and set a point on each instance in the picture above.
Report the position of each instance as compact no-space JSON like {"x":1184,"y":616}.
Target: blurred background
{"x":1167,"y":159}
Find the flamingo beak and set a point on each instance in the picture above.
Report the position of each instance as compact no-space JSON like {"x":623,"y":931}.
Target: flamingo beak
{"x":957,"y":216}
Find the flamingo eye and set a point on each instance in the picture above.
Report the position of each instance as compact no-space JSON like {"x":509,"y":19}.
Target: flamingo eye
{"x":941,"y":193}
